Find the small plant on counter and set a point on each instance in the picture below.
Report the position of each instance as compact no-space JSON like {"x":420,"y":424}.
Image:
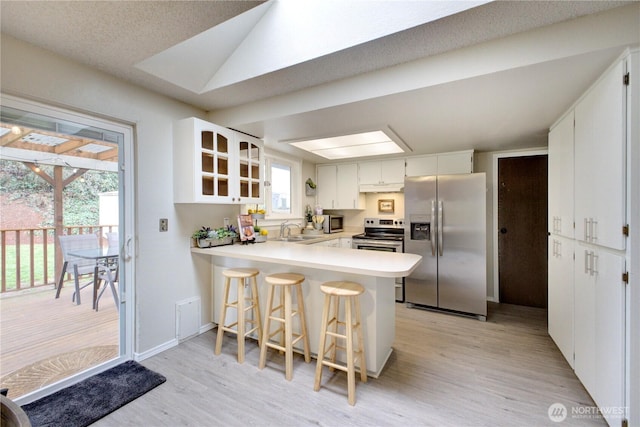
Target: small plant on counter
{"x":308,"y":213}
{"x":203,"y":233}
{"x":206,"y":237}
{"x":223,"y":233}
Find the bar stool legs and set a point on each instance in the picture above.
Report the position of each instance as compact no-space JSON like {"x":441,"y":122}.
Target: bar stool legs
{"x":285,"y":282}
{"x":242,"y":305}
{"x":333,"y":292}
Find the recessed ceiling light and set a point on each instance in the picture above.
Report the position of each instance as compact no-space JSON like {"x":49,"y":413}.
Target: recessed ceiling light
{"x":374,"y":143}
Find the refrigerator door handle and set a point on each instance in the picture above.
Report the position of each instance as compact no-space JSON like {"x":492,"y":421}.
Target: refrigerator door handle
{"x":440,"y":245}
{"x":432,"y":228}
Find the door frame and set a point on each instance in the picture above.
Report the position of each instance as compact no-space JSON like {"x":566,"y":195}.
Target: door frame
{"x":494,"y":226}
{"x":126,"y":230}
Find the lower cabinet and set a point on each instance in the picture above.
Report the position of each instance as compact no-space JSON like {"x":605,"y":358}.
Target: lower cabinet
{"x":345,"y":242}
{"x":561,"y":295}
{"x":334,"y":243}
{"x":600,"y":326}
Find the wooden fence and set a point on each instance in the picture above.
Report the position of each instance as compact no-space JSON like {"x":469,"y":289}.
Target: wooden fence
{"x":27,"y":254}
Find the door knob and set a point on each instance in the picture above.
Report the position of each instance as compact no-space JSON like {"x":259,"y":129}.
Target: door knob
{"x":503,"y":230}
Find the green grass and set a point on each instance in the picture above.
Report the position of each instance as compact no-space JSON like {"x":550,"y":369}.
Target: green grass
{"x":25,"y":268}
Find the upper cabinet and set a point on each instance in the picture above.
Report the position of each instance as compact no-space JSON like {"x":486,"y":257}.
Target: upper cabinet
{"x":213,"y":164}
{"x":337,"y":187}
{"x":440,"y":164}
{"x":560,"y":180}
{"x":380,"y":174}
{"x":600,"y":161}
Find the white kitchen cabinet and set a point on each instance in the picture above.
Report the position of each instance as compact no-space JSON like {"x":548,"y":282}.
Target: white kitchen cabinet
{"x":326,"y":185}
{"x":380,"y":173}
{"x":422,"y":165}
{"x":213,"y":164}
{"x":600,"y":161}
{"x":454,"y":163}
{"x":600,"y":128}
{"x":333,"y":243}
{"x":440,"y":164}
{"x":560,"y":178}
{"x":345,"y":242}
{"x":600,"y":325}
{"x":561,"y":295}
{"x":337,"y":187}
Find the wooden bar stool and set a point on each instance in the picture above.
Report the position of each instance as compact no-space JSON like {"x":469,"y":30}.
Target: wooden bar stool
{"x":350,"y":291}
{"x":284,"y":282}
{"x":243,"y":304}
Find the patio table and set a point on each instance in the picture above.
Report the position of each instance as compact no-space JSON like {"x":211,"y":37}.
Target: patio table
{"x":102,"y":256}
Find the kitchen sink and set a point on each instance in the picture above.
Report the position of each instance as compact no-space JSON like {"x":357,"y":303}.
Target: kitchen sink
{"x":297,"y":238}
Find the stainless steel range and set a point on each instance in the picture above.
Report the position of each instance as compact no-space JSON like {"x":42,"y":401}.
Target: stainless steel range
{"x":383,"y":234}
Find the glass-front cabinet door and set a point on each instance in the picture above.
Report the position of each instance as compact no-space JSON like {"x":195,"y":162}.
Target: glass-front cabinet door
{"x":214,"y":162}
{"x":214,"y":152}
{"x":250,"y":160}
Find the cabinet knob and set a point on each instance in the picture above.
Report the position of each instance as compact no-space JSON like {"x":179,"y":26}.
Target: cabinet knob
{"x":503,"y":230}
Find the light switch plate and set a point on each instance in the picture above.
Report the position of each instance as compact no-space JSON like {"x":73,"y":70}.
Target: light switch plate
{"x":164,"y":224}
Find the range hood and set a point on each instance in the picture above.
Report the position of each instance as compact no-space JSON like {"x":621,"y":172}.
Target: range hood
{"x":382,"y":188}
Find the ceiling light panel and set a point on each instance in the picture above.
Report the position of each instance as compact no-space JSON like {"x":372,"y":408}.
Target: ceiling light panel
{"x":365,"y":144}
{"x":359,"y":151}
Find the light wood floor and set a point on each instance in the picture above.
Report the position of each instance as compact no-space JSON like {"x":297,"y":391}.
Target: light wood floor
{"x":445,"y":371}
{"x":35,"y":326}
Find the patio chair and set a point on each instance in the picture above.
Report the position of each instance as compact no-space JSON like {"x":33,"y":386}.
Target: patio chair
{"x":113,"y":239}
{"x":74,"y":265}
{"x":108,"y":273}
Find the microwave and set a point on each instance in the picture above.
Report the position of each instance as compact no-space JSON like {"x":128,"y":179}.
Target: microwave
{"x":333,"y":223}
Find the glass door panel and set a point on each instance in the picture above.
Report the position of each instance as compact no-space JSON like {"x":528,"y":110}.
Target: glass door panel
{"x":103,"y":148}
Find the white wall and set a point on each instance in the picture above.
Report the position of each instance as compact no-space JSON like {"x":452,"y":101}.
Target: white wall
{"x":166,"y":270}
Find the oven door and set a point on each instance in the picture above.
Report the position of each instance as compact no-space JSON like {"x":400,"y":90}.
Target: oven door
{"x":384,"y":246}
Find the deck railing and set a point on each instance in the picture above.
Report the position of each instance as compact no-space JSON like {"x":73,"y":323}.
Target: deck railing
{"x":28,"y":255}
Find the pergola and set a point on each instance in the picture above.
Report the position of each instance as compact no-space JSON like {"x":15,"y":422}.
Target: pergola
{"x":81,"y":151}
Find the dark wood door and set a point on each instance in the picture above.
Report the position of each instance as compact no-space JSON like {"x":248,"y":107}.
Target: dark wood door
{"x":522,"y":230}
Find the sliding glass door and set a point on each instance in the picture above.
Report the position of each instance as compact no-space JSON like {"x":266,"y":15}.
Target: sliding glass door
{"x":75,"y":171}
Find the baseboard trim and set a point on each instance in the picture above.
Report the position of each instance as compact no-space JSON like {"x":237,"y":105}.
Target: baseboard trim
{"x":167,"y":345}
{"x":156,"y":350}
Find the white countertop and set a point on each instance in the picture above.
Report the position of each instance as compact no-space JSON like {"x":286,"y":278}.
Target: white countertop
{"x":367,"y":263}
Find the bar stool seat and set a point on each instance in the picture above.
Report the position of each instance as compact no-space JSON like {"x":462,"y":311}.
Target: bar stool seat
{"x":242,"y":304}
{"x":284,"y":282}
{"x":350,"y":292}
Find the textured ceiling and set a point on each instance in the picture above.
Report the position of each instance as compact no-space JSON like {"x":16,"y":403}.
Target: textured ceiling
{"x":113,"y":36}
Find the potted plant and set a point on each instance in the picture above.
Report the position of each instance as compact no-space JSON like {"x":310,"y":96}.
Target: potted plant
{"x":310,"y":187}
{"x":260,"y":233}
{"x":222,"y":236}
{"x":201,"y":236}
{"x":308,"y":213}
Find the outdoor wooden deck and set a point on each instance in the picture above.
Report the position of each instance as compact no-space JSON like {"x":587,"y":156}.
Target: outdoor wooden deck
{"x":35,"y":326}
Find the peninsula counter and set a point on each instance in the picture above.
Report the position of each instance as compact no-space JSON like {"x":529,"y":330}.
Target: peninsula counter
{"x":374,"y":270}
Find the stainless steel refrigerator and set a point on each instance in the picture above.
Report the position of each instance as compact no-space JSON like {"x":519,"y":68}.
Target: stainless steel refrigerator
{"x":445,"y":222}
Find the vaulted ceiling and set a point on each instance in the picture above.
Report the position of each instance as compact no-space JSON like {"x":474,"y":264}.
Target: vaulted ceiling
{"x":485,"y":76}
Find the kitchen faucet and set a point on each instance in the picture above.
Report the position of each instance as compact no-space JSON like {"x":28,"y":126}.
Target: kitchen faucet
{"x":282,"y":227}
{"x":288,"y":227}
